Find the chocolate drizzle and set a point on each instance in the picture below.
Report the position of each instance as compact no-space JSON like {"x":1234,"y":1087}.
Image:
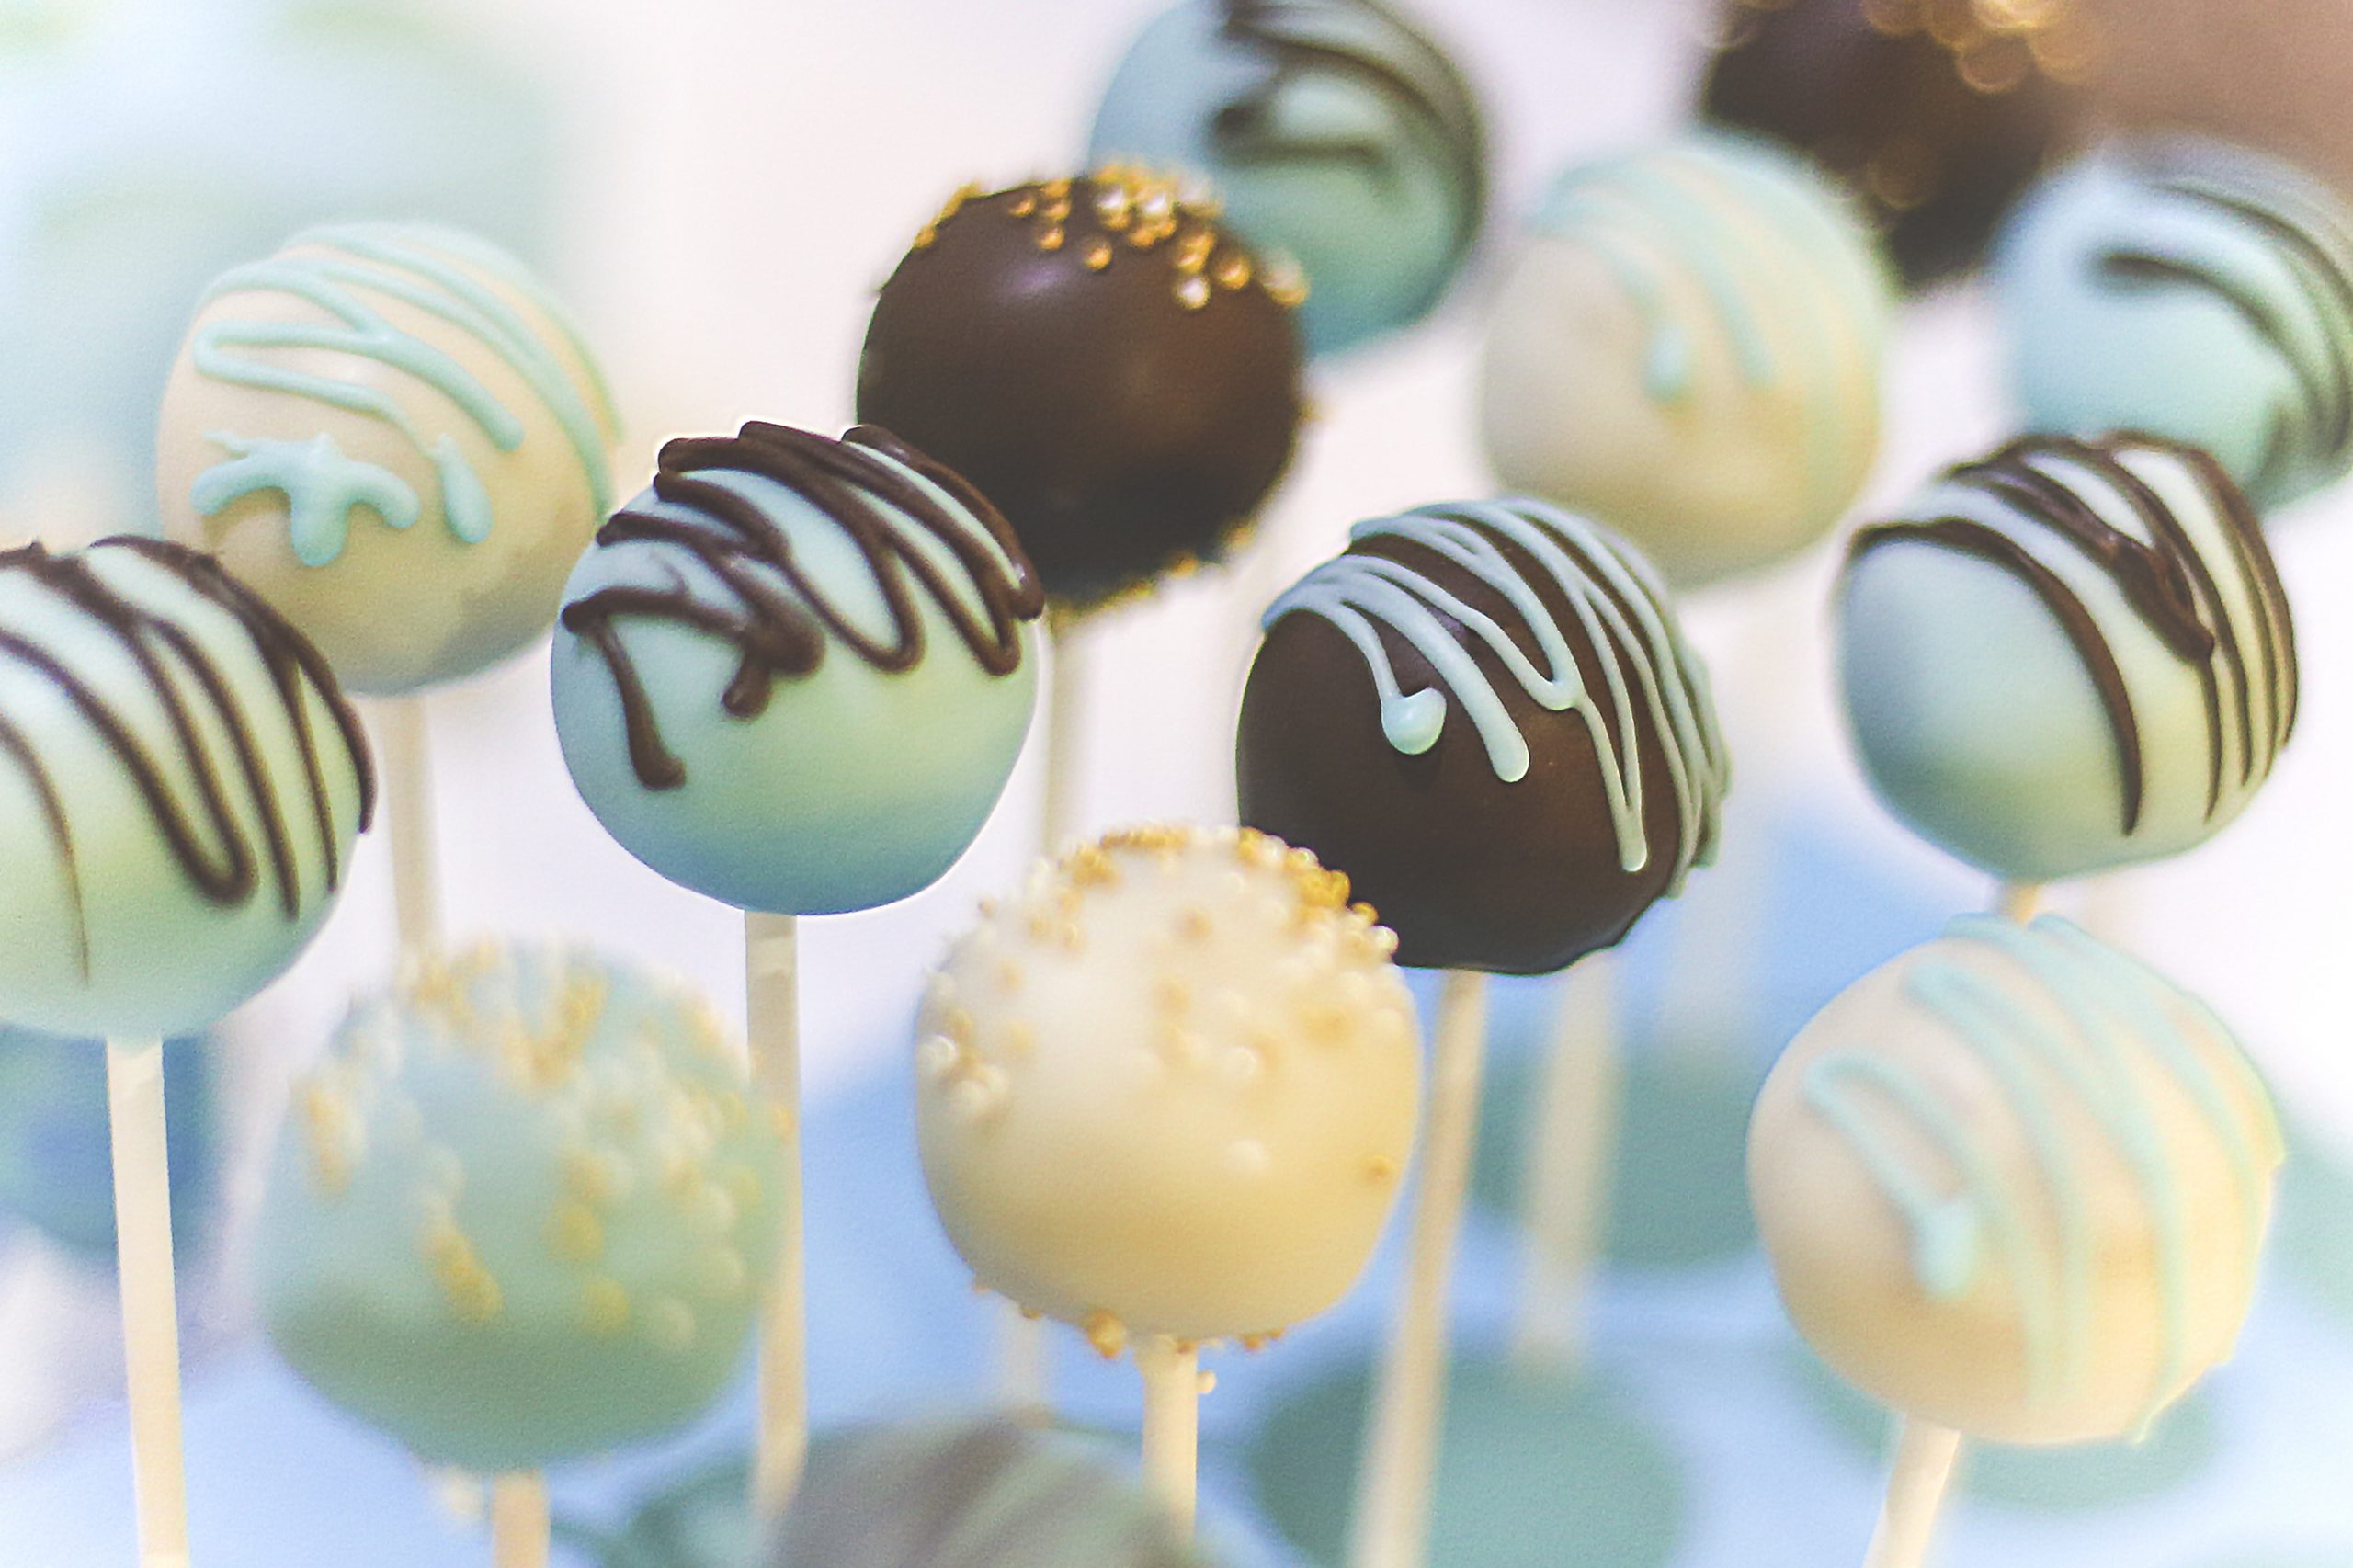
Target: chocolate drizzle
{"x":2308,"y":326}
{"x":775,"y":615}
{"x":212,"y":847}
{"x":1299,"y":39}
{"x":2165,"y":578}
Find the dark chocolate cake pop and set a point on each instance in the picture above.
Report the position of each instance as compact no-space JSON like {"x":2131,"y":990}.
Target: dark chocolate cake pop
{"x":1110,"y":367}
{"x":1485,"y":714}
{"x":1938,"y":111}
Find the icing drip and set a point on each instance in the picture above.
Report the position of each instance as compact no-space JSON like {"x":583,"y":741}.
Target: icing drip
{"x":188,"y":796}
{"x":1622,"y":619}
{"x":1766,"y":255}
{"x":2278,"y":253}
{"x":337,"y":270}
{"x":2047,"y":496}
{"x":2120,"y":1027}
{"x":779,"y":617}
{"x":1359,"y":41}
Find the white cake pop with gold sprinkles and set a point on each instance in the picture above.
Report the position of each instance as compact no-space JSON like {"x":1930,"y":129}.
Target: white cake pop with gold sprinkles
{"x":521,"y":1211}
{"x":1170,"y":1089}
{"x":2015,"y":1183}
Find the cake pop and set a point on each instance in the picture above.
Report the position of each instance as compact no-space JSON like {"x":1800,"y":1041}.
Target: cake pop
{"x":1487,"y":714}
{"x":794,"y":674}
{"x":1103,"y":360}
{"x":183,"y":786}
{"x":1936,"y":113}
{"x":522,"y":1211}
{"x":1335,"y":132}
{"x":2070,"y":656}
{"x":2014,"y":1185}
{"x":1688,"y":349}
{"x":2194,"y":289}
{"x":1169,"y":1089}
{"x":393,"y":432}
{"x":1167,"y":1095}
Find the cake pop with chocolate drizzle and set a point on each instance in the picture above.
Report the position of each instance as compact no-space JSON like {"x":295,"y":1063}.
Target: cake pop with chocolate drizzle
{"x":794,"y":674}
{"x":181,"y":782}
{"x":2070,"y":656}
{"x":1487,"y":714}
{"x":1103,"y":359}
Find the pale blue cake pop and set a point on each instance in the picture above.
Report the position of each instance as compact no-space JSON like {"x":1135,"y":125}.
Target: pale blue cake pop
{"x":56,"y":1171}
{"x":1335,"y":133}
{"x":795,"y":674}
{"x":522,"y":1211}
{"x":2194,"y":289}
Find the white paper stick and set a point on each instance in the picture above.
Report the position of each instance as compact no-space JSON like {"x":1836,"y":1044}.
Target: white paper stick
{"x":1925,"y":1456}
{"x":150,"y":1334}
{"x":519,"y":1520}
{"x":404,"y":750}
{"x":1391,"y":1526}
{"x":771,"y":975}
{"x":1565,"y":1184}
{"x":1172,"y":1398}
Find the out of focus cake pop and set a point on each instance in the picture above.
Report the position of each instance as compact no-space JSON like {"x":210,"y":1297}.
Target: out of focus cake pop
{"x":522,"y":1211}
{"x":2070,"y":656}
{"x":1937,"y":112}
{"x":1688,"y":349}
{"x":1169,"y":1089}
{"x":181,"y":782}
{"x":395,"y":434}
{"x":795,"y":674}
{"x":1335,"y":132}
{"x":1109,"y":364}
{"x":2015,"y":1183}
{"x":2194,"y":289}
{"x":1487,"y":714}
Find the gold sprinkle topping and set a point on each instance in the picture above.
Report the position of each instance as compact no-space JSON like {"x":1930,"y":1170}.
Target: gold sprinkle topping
{"x":604,"y":1307}
{"x":1233,"y":271}
{"x":1193,"y":294}
{"x":1051,"y":238}
{"x":576,"y":1234}
{"x":1098,"y":255}
{"x":1107,"y":1333}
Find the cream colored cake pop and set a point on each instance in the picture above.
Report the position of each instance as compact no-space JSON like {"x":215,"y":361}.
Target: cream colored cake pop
{"x":2015,"y":1183}
{"x":394,"y":433}
{"x":1170,"y":1089}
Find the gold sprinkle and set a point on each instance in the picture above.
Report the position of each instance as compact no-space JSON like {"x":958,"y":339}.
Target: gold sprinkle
{"x":604,"y":1307}
{"x":1193,"y":294}
{"x":1172,"y":994}
{"x":1194,"y":925}
{"x":1254,"y":1343}
{"x":575,"y":1234}
{"x":1098,"y":255}
{"x":1233,"y":272}
{"x":1020,"y":1040}
{"x":1107,"y":1333}
{"x":1025,"y":204}
{"x":1050,"y":239}
{"x":1381,"y":1168}
{"x":670,"y":1323}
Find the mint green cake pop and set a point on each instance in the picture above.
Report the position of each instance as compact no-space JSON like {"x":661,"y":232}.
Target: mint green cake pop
{"x":522,"y":1211}
{"x":181,"y":782}
{"x":795,"y":674}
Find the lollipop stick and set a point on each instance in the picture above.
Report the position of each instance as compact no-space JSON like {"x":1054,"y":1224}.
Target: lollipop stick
{"x":1172,"y":1426}
{"x":2018,"y":901}
{"x":1925,"y":1459}
{"x":150,"y":1334}
{"x":519,"y":1520}
{"x":772,"y":981}
{"x":1391,"y":1528}
{"x":1565,"y":1182}
{"x":404,"y":743}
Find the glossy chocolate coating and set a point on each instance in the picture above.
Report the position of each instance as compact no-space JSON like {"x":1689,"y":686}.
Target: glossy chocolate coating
{"x":1471,"y":872}
{"x":1937,"y":121}
{"x":1116,"y":372}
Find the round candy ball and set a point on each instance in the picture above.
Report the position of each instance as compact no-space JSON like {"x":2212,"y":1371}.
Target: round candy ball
{"x":181,"y":783}
{"x":1688,"y":348}
{"x":1935,"y":114}
{"x":1486,"y":715}
{"x":1106,"y":362}
{"x":1170,"y":1088}
{"x":523,"y":1210}
{"x":393,"y":432}
{"x":1334,"y":132}
{"x":2015,"y":1183}
{"x":795,"y":674}
{"x":2070,"y":656}
{"x":2194,"y":289}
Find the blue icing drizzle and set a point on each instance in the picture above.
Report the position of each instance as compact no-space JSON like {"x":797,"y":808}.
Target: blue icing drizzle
{"x":336,"y":269}
{"x":2120,"y":1022}
{"x":321,"y":485}
{"x":1619,"y":607}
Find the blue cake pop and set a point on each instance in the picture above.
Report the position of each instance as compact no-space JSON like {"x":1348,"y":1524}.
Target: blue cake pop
{"x":1335,"y":133}
{"x":56,"y":1169}
{"x":2189,"y":289}
{"x":794,"y":674}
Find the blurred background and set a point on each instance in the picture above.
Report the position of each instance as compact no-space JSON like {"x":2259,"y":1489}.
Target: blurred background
{"x":718,"y":186}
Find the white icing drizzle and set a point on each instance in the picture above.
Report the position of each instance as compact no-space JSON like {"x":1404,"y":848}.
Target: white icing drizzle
{"x":1622,"y":617}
